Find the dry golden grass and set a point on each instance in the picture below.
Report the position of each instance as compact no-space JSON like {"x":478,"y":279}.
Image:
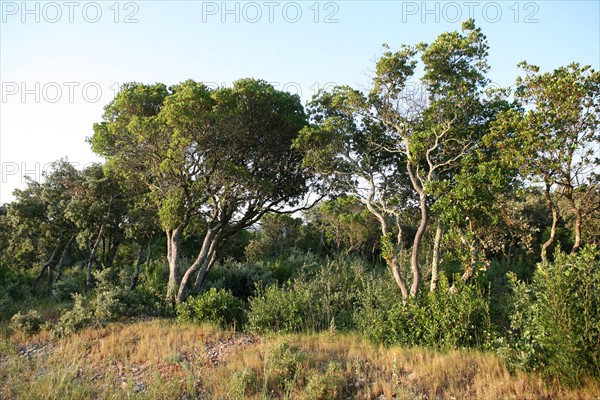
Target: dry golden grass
{"x":163,"y":360}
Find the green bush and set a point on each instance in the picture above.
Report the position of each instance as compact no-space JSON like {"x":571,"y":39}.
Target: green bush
{"x":286,"y":367}
{"x":72,"y":281}
{"x":328,"y":384}
{"x":318,"y":299}
{"x":446,"y":318}
{"x":78,"y":317}
{"x":239,"y":278}
{"x":216,"y":306}
{"x":555,"y":321}
{"x":27,"y":323}
{"x":277,"y":309}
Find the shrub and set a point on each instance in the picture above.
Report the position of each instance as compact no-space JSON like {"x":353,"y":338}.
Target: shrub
{"x":71,"y":321}
{"x":26,"y":323}
{"x":242,"y":383}
{"x":216,"y":306}
{"x":286,"y":366}
{"x":445,"y":318}
{"x":72,"y":281}
{"x":330,"y":384}
{"x":277,"y":309}
{"x":318,"y":299}
{"x":555,"y":321}
{"x":239,"y":278}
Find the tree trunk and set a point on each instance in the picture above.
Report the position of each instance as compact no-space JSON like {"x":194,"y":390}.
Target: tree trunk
{"x":136,"y":273}
{"x":114,"y":251}
{"x":555,"y":216}
{"x":61,"y":261}
{"x":414,"y":259}
{"x":201,"y":262}
{"x":173,"y":256}
{"x":474,"y":254}
{"x":48,"y":264}
{"x":395,"y":267}
{"x":391,"y":253}
{"x":89,"y":280}
{"x":212,"y":258}
{"x":577,"y":212}
{"x":435,"y":262}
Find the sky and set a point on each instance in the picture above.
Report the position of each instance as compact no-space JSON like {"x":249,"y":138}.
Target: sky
{"x":61,"y":62}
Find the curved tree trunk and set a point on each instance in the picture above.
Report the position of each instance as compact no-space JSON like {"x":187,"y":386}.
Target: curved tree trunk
{"x":555,"y":216}
{"x":62,"y":259}
{"x":48,"y":264}
{"x":435,"y":262}
{"x":390,"y":256}
{"x":89,"y":279}
{"x":212,"y":258}
{"x":201,"y":263}
{"x":414,"y":259}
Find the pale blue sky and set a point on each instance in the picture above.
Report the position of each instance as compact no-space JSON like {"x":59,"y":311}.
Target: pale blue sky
{"x":44,"y":66}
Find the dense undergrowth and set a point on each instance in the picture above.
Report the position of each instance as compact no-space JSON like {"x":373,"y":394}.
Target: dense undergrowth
{"x":544,"y":320}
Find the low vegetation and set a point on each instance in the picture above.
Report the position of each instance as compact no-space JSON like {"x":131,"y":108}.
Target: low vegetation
{"x":122,"y":360}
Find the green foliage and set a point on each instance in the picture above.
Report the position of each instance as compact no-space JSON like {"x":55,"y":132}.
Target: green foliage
{"x":277,"y":309}
{"x":240,"y":278}
{"x":15,"y":286}
{"x":78,"y":317}
{"x":242,"y":383}
{"x":315,"y":301}
{"x":450,"y":317}
{"x":285,"y":368}
{"x":216,"y":306}
{"x":555,"y":320}
{"x":27,"y":323}
{"x":328,"y":384}
{"x":72,"y":281}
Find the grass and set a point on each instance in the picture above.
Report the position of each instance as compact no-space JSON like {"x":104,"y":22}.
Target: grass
{"x":160,"y":359}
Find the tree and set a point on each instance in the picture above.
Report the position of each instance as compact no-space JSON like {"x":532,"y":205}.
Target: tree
{"x":40,"y":230}
{"x":391,"y":146}
{"x":222,"y":156}
{"x":98,"y":208}
{"x":553,"y":133}
{"x":346,"y":226}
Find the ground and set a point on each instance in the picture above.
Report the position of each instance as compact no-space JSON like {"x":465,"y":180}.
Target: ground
{"x":160,"y":359}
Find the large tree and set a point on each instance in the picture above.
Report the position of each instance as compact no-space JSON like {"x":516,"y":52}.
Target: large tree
{"x":552,"y":134}
{"x":391,"y":145}
{"x":222,"y":157}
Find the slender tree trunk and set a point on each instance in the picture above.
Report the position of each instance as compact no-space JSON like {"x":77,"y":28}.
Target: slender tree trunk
{"x":136,"y":275}
{"x":89,"y":280}
{"x":48,"y":264}
{"x":435,"y":262}
{"x":114,"y":251}
{"x":212,"y":258}
{"x":391,"y":254}
{"x":474,"y":254}
{"x":62,"y":259}
{"x":395,"y":268}
{"x":200,"y":264}
{"x":414,"y":259}
{"x":173,"y":256}
{"x":555,"y":216}
{"x":577,"y":212}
